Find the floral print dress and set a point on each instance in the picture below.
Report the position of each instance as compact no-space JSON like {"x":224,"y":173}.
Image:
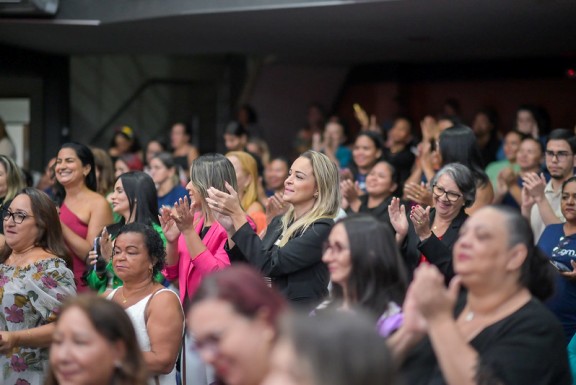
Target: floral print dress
{"x":30,"y":296}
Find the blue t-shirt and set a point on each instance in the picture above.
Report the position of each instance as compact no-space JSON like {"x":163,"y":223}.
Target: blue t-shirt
{"x":561,"y":249}
{"x":169,"y":199}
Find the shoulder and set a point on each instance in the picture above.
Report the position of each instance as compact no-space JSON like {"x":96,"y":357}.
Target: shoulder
{"x":322,"y":225}
{"x":95,"y":200}
{"x":165,"y":301}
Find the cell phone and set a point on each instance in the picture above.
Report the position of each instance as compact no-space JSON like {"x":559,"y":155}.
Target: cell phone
{"x":561,"y":266}
{"x":96,"y":248}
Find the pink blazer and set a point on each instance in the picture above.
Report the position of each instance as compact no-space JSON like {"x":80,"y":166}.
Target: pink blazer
{"x":190,"y":272}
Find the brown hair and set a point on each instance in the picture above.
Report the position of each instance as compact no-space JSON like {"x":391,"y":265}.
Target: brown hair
{"x":111,"y":322}
{"x":50,"y":237}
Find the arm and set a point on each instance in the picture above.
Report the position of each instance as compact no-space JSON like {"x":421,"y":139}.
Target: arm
{"x":38,"y":337}
{"x":456,"y":358}
{"x":49,"y":290}
{"x":535,"y":185}
{"x":165,"y":327}
{"x":299,"y":253}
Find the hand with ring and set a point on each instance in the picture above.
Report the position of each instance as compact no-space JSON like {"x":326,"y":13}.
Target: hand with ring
{"x":420,"y":218}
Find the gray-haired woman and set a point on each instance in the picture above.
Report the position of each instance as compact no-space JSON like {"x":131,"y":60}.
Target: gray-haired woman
{"x":431,"y":233}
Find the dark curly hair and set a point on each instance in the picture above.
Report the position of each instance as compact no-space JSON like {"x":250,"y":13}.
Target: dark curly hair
{"x":154,"y":244}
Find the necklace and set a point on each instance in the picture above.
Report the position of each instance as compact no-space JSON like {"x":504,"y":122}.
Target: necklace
{"x":124,"y":299}
{"x":470,"y":315}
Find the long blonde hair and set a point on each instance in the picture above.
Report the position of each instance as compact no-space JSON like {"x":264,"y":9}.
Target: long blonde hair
{"x":248,"y":164}
{"x":326,"y":204}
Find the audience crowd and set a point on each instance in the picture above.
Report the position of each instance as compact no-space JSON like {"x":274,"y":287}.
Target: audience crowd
{"x":388,"y":255}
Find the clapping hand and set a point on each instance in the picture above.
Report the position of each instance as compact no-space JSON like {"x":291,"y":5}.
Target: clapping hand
{"x":224,"y":206}
{"x":397,"y":213}
{"x":420,"y":218}
{"x":275,"y":206}
{"x":431,"y":296}
{"x":169,"y":228}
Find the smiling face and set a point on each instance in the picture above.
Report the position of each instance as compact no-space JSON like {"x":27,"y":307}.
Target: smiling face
{"x":300,"y":186}
{"x":23,"y":235}
{"x":79,"y":355}
{"x":69,"y":168}
{"x":119,"y":199}
{"x":365,"y":152}
{"x":131,"y":260}
{"x":379,"y":181}
{"x":568,"y":202}
{"x":446,"y":207}
{"x":337,"y":256}
{"x":236,"y":346}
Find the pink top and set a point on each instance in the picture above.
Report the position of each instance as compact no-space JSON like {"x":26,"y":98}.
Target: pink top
{"x":190,"y":272}
{"x":81,"y":229}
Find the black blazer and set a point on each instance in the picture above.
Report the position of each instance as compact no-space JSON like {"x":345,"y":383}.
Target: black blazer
{"x":296,"y":269}
{"x":438,"y":252}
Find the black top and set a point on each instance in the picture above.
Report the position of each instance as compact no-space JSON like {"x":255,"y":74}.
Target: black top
{"x":296,"y":269}
{"x":402,"y":161}
{"x":527,"y":347}
{"x":437,"y":251}
{"x":379,"y":212}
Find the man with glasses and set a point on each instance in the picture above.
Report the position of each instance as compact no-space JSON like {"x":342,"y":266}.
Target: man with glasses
{"x":541,"y":201}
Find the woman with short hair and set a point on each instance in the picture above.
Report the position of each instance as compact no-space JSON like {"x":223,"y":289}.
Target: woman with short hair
{"x":430,"y":233}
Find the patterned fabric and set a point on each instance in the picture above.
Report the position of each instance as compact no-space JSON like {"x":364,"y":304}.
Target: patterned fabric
{"x":31,"y":296}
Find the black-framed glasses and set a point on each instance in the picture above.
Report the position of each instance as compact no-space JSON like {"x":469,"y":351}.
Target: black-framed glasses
{"x":17,"y":217}
{"x":450,"y":195}
{"x":560,"y":155}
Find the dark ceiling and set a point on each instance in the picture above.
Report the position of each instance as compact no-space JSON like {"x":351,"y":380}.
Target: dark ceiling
{"x":329,"y":32}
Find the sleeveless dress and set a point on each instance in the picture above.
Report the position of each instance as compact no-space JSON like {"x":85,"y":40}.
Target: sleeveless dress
{"x":81,"y":229}
{"x":31,"y":296}
{"x":137,"y":315}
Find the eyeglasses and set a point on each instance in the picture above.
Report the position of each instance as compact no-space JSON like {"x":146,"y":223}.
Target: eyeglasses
{"x":560,"y":155}
{"x":439,"y":191}
{"x":17,"y":217}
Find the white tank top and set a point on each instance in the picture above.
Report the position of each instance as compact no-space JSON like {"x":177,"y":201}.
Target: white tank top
{"x":137,"y":315}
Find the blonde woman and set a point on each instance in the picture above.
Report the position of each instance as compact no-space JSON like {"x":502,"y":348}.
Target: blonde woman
{"x":290,"y":253}
{"x":247,"y":177}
